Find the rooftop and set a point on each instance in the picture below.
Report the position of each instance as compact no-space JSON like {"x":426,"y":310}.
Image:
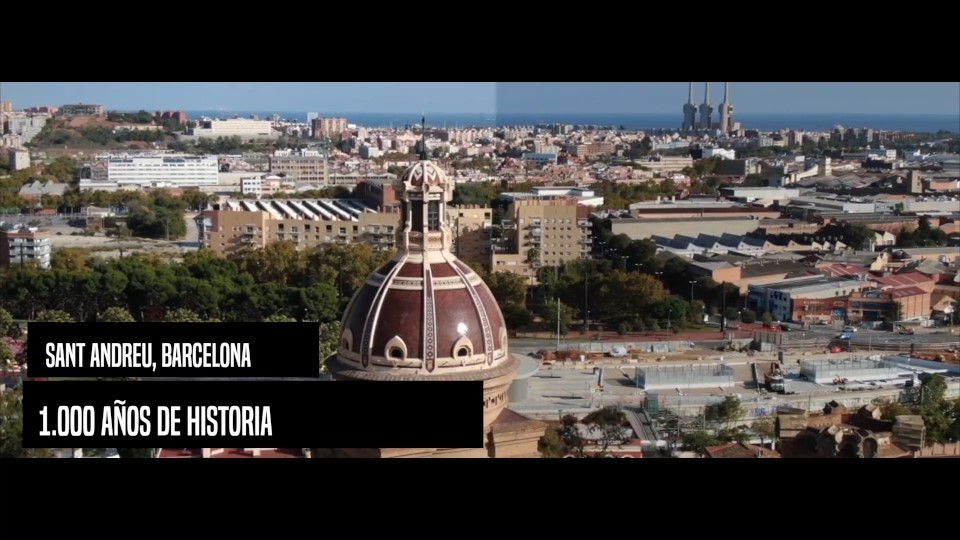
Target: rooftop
{"x":817,"y":282}
{"x":306,"y":209}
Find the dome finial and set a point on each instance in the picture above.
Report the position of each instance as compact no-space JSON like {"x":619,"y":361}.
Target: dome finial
{"x":423,"y":137}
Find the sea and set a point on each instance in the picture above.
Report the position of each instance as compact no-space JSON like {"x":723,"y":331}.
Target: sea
{"x":930,"y":123}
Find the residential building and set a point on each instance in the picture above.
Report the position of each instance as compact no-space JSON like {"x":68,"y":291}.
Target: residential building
{"x":540,"y":158}
{"x":591,"y":149}
{"x":19,"y":159}
{"x":26,"y":126}
{"x":234,"y":226}
{"x":81,"y":109}
{"x":24,"y":245}
{"x":148,"y":170}
{"x":6,"y":106}
{"x":301,"y":168}
{"x":327,"y":127}
{"x":542,"y":231}
{"x":379,"y":193}
{"x":471,"y":227}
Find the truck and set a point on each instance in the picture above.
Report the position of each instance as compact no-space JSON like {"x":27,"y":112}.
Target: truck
{"x":774,"y":379}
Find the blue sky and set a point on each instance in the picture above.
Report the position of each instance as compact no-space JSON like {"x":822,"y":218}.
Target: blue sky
{"x":444,"y":98}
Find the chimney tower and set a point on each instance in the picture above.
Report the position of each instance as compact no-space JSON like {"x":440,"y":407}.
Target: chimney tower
{"x":706,"y":110}
{"x":690,"y":113}
{"x":726,"y":110}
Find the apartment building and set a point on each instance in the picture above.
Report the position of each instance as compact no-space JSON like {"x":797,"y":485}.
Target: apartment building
{"x":81,"y":109}
{"x":19,"y":159}
{"x":471,"y":226}
{"x":591,"y":149}
{"x":301,"y":168}
{"x":542,"y":231}
{"x":150,"y":169}
{"x":235,"y":226}
{"x":23,"y":245}
{"x":327,"y":127}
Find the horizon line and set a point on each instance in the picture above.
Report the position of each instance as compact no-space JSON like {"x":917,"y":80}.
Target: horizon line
{"x":555,"y":113}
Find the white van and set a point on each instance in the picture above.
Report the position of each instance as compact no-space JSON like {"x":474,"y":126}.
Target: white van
{"x":618,"y":351}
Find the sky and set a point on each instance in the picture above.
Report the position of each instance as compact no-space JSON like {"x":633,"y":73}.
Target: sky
{"x":489,"y":97}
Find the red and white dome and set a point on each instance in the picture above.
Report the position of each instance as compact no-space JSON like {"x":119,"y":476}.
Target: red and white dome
{"x":425,"y":314}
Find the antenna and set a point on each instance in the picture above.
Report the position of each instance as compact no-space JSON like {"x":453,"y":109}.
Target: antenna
{"x":423,"y":137}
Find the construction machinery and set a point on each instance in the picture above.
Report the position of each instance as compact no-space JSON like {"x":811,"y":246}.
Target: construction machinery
{"x":774,"y":380}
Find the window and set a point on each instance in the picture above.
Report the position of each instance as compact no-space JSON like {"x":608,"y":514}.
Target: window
{"x":416,"y":224}
{"x":396,"y":353}
{"x":433,"y":216}
{"x":463,"y":351}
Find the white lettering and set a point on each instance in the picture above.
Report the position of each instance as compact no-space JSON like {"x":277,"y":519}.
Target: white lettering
{"x":65,"y":355}
{"x":225,"y":421}
{"x":205,"y":355}
{"x":121,"y":355}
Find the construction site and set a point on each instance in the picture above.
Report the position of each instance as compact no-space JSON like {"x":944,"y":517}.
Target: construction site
{"x":855,"y":370}
{"x":685,"y":376}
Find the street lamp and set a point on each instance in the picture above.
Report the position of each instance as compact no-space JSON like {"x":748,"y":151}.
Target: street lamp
{"x":692,"y":283}
{"x":659,"y":275}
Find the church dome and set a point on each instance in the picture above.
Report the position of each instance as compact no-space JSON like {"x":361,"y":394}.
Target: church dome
{"x":424,"y":315}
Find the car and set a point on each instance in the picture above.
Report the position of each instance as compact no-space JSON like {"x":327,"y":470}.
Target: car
{"x":845,"y":336}
{"x":849,"y":329}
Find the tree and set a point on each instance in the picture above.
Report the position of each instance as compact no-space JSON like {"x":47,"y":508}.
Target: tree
{"x":765,"y":428}
{"x":329,"y":342}
{"x":748,"y":316}
{"x":11,"y":427}
{"x":608,"y":424}
{"x":858,"y":236}
{"x":570,"y":436}
{"x":698,"y":441}
{"x":554,"y":312}
{"x":6,"y":322}
{"x":116,"y":314}
{"x":279,"y":319}
{"x":71,"y":259}
{"x":727,"y":411}
{"x":551,"y":445}
{"x":767,"y":317}
{"x":936,"y":410}
{"x":182,"y":316}
{"x":54,"y":315}
{"x":507,"y":287}
{"x":7,"y":357}
{"x":890,"y":410}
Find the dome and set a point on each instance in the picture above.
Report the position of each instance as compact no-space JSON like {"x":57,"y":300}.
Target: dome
{"x":426,"y":315}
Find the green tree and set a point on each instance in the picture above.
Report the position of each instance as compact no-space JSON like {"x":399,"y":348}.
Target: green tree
{"x":329,"y":342}
{"x":766,"y":428}
{"x":116,"y":314}
{"x":11,"y":427}
{"x":890,"y":410}
{"x":767,"y":317}
{"x":551,"y":445}
{"x":71,"y":259}
{"x":748,"y":316}
{"x":182,"y":316}
{"x":608,"y":423}
{"x":858,"y":236}
{"x":698,"y":441}
{"x":279,"y":319}
{"x":6,"y":322}
{"x":507,"y":287}
{"x":726,"y":412}
{"x":54,"y":315}
{"x":7,"y":357}
{"x":570,"y":437}
{"x":554,"y":312}
{"x":936,"y":410}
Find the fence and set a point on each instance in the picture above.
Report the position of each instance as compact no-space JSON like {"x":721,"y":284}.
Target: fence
{"x":859,"y":369}
{"x":686,"y":376}
{"x":654,"y":347}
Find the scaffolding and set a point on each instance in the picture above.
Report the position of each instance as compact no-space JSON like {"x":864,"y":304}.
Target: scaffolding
{"x":851,"y":370}
{"x":662,"y":377}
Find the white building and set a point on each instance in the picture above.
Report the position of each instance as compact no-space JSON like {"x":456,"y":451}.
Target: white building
{"x":19,"y":159}
{"x":149,"y":170}
{"x":724,"y":153}
{"x":251,"y":186}
{"x":22,"y":245}
{"x":235,"y":127}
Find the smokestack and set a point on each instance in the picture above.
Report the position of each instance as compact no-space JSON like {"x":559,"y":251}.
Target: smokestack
{"x":706,"y":93}
{"x":690,"y":98}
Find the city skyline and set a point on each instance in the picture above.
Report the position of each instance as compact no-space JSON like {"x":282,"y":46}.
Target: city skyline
{"x":493,"y":98}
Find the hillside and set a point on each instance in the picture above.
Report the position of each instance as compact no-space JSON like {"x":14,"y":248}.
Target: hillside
{"x":91,"y":133}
